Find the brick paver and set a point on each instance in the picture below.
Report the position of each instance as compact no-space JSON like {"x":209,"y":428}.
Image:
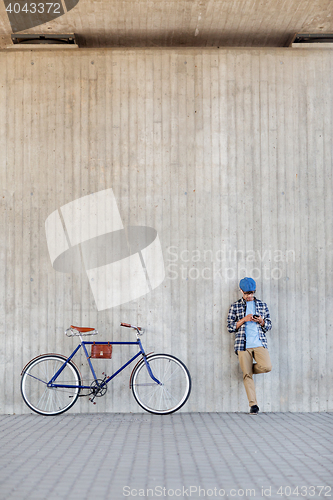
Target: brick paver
{"x":197,"y":455}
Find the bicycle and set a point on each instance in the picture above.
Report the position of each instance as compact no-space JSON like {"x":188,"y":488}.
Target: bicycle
{"x":51,"y":383}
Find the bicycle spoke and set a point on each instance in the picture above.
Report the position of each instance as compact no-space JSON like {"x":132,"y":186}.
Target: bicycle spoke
{"x":153,"y":392}
{"x":39,"y":404}
{"x":48,"y":401}
{"x":166,"y":369}
{"x":171,"y":397}
{"x":171,"y":375}
{"x":161,"y":395}
{"x":57,"y":396}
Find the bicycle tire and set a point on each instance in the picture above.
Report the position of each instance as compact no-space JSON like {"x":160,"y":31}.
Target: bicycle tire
{"x":174,"y":391}
{"x":49,"y":400}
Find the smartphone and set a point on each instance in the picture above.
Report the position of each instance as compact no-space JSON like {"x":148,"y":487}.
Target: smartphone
{"x":255,"y":316}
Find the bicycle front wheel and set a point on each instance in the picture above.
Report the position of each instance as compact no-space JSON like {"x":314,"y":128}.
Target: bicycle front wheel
{"x":50,"y":400}
{"x":171,"y":394}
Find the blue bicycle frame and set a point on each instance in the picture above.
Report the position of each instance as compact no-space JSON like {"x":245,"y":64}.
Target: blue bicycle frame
{"x":52,"y":383}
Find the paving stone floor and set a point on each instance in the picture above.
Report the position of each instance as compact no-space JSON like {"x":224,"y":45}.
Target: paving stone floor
{"x":184,"y":455}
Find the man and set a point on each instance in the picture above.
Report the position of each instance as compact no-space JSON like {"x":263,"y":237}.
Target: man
{"x":249,"y":320}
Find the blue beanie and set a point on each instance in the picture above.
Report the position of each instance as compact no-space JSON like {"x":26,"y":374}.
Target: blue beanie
{"x":247,"y":285}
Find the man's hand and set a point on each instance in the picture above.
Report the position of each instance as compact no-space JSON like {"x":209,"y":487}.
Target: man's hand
{"x":250,"y":317}
{"x":259,"y":320}
{"x":241,"y":322}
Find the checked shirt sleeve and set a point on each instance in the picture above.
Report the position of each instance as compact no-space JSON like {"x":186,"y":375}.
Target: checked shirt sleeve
{"x":267,"y":318}
{"x":232,"y":319}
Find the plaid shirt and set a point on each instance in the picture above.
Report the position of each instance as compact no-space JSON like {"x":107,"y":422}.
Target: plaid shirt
{"x":237,"y":311}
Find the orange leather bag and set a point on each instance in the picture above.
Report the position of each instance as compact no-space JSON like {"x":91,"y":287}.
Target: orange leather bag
{"x":101,"y":351}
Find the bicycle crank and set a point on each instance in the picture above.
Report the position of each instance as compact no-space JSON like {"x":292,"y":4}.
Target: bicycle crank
{"x":96,"y":390}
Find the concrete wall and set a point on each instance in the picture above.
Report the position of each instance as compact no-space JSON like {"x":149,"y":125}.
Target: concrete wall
{"x":228,"y":155}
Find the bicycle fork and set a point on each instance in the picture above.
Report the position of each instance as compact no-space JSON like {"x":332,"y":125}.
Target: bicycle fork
{"x":150,"y":372}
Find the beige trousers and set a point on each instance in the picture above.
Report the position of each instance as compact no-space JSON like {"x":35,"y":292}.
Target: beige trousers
{"x":263,"y":365}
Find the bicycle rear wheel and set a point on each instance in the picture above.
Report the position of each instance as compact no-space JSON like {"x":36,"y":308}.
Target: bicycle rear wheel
{"x":175,"y":386}
{"x":50,"y":400}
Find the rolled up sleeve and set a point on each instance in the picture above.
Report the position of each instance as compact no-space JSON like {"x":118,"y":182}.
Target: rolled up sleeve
{"x":268,"y":323}
{"x":232,"y":320}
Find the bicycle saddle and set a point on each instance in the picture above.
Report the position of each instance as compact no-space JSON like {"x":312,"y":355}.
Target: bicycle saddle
{"x":82,"y":329}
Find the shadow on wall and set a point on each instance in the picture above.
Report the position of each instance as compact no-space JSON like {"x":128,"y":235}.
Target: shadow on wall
{"x":27,"y":14}
{"x":177,"y":38}
{"x":121,"y":263}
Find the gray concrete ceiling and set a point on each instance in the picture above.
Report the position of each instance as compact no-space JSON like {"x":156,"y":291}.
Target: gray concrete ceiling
{"x":172,"y":23}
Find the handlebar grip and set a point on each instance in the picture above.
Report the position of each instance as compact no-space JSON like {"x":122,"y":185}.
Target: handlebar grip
{"x":130,"y":326}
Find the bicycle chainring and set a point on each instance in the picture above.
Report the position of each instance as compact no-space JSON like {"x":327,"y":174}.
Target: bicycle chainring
{"x":96,"y":390}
